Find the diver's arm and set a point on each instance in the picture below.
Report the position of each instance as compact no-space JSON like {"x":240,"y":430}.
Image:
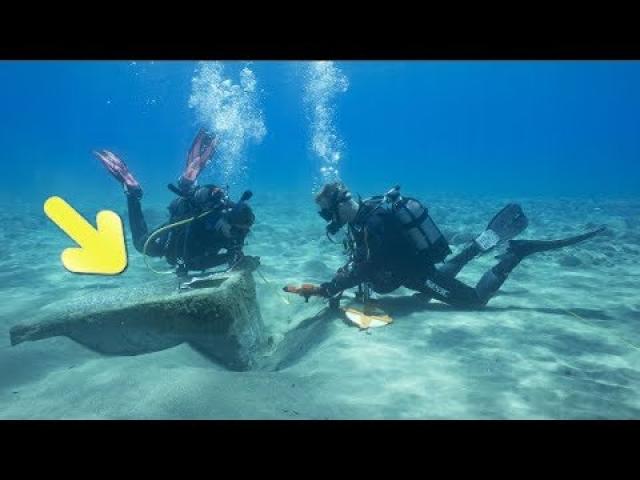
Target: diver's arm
{"x":213,"y":258}
{"x":349,"y":276}
{"x":235,"y":248}
{"x":210,"y":261}
{"x":357,"y":271}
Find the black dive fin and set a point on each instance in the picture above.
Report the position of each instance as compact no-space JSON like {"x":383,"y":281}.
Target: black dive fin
{"x":523,"y":248}
{"x":505,"y":225}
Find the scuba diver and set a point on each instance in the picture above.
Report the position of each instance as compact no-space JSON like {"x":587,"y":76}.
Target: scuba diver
{"x":392,"y":241}
{"x":203,"y":220}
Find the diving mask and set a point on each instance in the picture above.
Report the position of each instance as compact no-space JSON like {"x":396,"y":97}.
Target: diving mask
{"x":329,"y":210}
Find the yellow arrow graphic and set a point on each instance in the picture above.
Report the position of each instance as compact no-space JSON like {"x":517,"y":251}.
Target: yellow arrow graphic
{"x":101,"y":251}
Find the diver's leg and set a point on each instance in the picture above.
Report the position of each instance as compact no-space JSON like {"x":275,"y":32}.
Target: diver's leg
{"x":449,"y":269}
{"x":137,"y":223}
{"x":452,"y":291}
{"x":452,"y":266}
{"x":493,"y":279}
{"x":518,"y":250}
{"x":140,"y":232}
{"x":505,"y":225}
{"x":447,"y":289}
{"x":456,"y":293}
{"x":118,"y":168}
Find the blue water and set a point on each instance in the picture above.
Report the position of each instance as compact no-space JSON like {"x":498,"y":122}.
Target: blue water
{"x":505,"y":128}
{"x":560,"y":340}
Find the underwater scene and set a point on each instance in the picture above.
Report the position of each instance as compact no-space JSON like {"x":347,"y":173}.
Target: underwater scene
{"x":320,"y":240}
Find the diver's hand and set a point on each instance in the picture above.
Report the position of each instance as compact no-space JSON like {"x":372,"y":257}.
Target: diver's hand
{"x":306,"y":290}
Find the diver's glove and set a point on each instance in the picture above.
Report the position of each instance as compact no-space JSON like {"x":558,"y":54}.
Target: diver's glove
{"x":307,"y":290}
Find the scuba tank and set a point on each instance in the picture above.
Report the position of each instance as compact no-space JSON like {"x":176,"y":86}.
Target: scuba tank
{"x":418,"y":227}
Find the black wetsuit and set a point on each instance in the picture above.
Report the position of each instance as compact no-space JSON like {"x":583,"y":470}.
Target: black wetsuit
{"x":386,"y":260}
{"x":196,"y":245}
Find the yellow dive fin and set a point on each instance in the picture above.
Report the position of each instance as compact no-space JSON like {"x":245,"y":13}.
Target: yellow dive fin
{"x":367,"y":316}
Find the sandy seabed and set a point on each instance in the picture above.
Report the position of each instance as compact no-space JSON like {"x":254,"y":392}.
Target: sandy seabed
{"x":562,"y":339}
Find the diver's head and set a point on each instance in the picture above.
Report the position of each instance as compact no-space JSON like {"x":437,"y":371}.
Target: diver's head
{"x":238,"y":221}
{"x":336,"y":206}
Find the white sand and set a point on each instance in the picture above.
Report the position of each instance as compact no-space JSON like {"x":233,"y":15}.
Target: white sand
{"x":563,"y":341}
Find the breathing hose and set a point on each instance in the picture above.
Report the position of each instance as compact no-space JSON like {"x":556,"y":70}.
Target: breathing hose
{"x":162,"y":230}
